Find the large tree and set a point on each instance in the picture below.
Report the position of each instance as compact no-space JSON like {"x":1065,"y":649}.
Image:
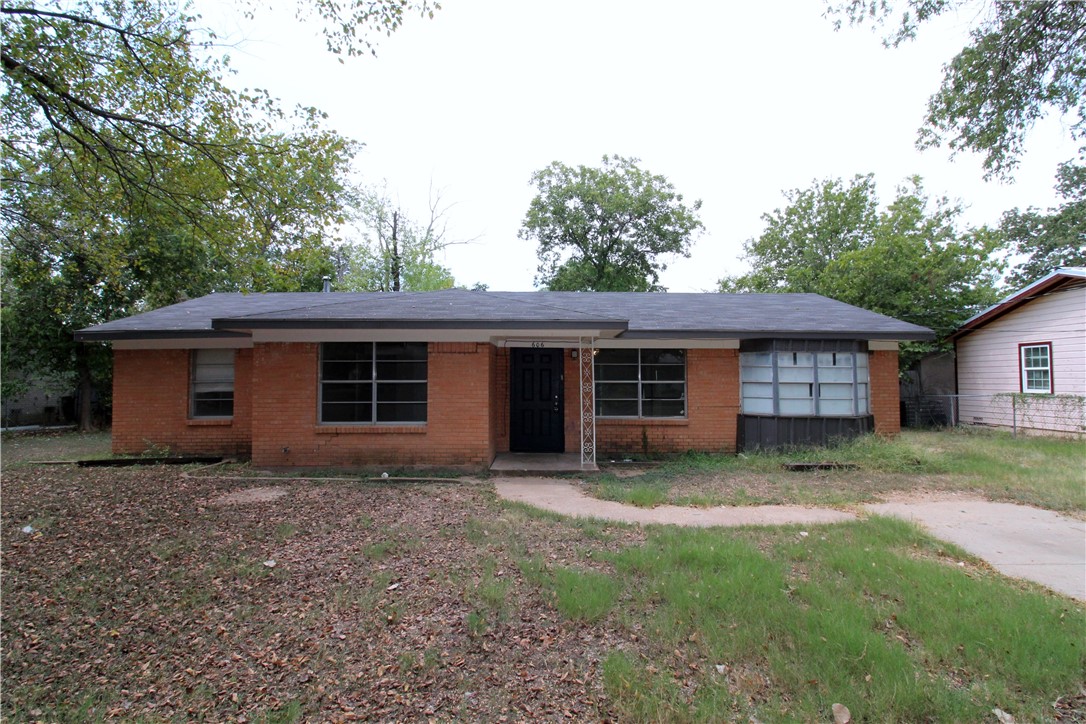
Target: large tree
{"x":606,"y":228}
{"x":133,"y":176}
{"x":911,"y":260}
{"x":68,"y":264}
{"x":1043,"y":241}
{"x":1023,"y":60}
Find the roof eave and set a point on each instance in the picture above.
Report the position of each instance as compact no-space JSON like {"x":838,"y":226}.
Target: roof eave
{"x":1009,"y":303}
{"x":89,"y":335}
{"x":778,"y":334}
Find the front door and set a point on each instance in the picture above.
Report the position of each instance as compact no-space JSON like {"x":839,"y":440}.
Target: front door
{"x":535,"y":413}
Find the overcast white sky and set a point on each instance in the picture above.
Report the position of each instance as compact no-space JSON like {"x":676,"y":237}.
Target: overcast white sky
{"x":733,"y":102}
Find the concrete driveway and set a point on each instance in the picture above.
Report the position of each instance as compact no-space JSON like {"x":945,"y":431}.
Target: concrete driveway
{"x":1017,"y":540}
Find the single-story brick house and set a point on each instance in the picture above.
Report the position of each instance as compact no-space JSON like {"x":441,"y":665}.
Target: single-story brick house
{"x":458,"y":377}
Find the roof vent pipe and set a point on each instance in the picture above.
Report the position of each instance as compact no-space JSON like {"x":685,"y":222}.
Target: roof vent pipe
{"x":327,"y":284}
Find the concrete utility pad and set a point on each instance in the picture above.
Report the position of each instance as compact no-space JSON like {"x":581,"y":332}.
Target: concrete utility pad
{"x":517,"y":463}
{"x":1017,"y":540}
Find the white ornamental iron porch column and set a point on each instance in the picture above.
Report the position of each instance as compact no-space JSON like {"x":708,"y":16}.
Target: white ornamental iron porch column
{"x":586,"y":356}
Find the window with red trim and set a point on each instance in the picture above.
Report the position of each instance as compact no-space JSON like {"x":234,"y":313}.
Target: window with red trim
{"x":1035,"y":361}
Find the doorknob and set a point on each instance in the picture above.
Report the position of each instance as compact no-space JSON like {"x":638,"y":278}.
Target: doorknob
{"x":555,"y":408}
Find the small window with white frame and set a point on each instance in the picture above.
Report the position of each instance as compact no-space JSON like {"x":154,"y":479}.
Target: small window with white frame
{"x":1035,"y":363}
{"x":212,"y":383}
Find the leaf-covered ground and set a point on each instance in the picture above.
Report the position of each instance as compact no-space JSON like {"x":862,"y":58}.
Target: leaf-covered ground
{"x":156,"y":594}
{"x":140,"y":594}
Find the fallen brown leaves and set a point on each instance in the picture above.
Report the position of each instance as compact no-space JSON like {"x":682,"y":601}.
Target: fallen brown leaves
{"x":136,"y":597}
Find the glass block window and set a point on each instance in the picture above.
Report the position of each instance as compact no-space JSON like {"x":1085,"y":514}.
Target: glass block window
{"x":212,"y":383}
{"x":640,"y":382}
{"x":804,"y":384}
{"x":373,"y":382}
{"x":1036,"y":362}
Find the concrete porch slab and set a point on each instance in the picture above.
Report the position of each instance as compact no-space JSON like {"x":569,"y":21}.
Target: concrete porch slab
{"x":530,"y":463}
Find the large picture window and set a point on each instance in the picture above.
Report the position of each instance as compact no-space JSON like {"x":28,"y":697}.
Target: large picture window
{"x":1036,"y":366}
{"x":640,"y":383}
{"x":212,"y":383}
{"x":804,"y":383}
{"x":373,"y":382}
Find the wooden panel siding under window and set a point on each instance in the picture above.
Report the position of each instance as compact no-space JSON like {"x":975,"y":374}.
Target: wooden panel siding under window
{"x":640,"y":383}
{"x":373,"y":382}
{"x":212,"y":393}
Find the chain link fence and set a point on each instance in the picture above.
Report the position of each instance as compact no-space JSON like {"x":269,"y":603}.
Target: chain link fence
{"x":1038,"y":414}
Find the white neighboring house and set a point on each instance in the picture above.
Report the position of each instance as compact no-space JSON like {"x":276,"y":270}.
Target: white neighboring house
{"x":1022,"y":362}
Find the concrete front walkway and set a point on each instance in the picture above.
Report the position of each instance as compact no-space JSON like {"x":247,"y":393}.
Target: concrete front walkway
{"x":1017,"y":540}
{"x":560,"y":496}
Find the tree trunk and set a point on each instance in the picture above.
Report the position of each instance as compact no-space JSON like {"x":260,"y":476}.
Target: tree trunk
{"x":397,"y":263}
{"x":82,"y":368}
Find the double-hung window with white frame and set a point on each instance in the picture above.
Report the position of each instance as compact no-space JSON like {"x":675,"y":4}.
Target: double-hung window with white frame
{"x":1035,"y":362}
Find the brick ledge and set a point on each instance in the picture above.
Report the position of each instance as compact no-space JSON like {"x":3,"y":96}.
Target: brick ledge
{"x":370,"y":429}
{"x":224,"y":422}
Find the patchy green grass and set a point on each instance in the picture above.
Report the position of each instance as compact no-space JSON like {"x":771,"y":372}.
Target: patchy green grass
{"x":284,"y":531}
{"x":583,"y":595}
{"x":782,"y":626}
{"x":18,"y":449}
{"x":1046,"y":472}
{"x":644,"y":493}
{"x":491,"y":591}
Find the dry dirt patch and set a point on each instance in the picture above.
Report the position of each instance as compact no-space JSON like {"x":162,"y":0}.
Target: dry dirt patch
{"x":249,"y":495}
{"x":137,"y":599}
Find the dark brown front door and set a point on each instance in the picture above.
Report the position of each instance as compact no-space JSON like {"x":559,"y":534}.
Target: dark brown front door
{"x":536,"y":406}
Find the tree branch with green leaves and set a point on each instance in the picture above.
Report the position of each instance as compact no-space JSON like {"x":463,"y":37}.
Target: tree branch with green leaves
{"x":606,"y":228}
{"x":911,"y":260}
{"x":1024,"y":59}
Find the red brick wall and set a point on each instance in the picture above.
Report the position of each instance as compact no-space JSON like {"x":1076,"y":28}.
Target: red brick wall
{"x":285,"y":429}
{"x":571,"y":402}
{"x":712,"y":393}
{"x":885,"y":394}
{"x":275,"y":407}
{"x":151,"y":405}
{"x":499,"y":399}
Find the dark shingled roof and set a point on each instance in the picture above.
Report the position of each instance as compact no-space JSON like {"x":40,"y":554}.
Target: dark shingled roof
{"x":630,"y":314}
